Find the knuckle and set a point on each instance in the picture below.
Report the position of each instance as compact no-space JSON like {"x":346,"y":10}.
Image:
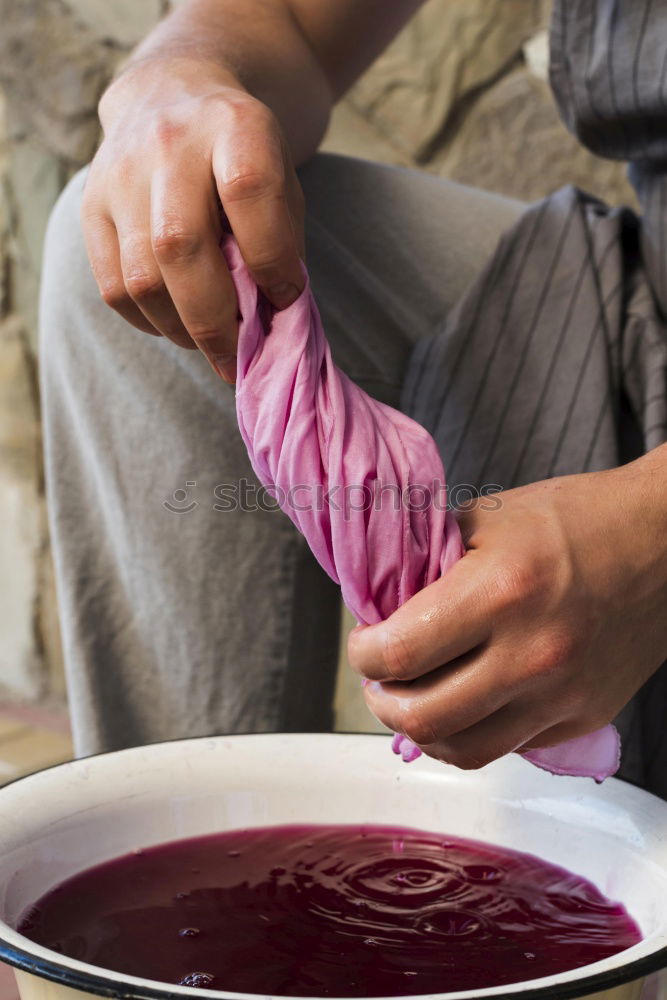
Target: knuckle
{"x":247,"y":113}
{"x":465,"y":759}
{"x":551,"y":654}
{"x":141,"y":285}
{"x":113,"y":293}
{"x":165,"y":131}
{"x":267,"y":265}
{"x":122,"y":168}
{"x":205,"y":333}
{"x":397,"y":656}
{"x":515,"y":583}
{"x":248,"y":184}
{"x":174,"y":244}
{"x":417,"y":727}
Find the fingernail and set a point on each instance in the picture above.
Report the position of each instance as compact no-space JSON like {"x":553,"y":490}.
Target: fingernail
{"x":283,"y":294}
{"x":223,"y":365}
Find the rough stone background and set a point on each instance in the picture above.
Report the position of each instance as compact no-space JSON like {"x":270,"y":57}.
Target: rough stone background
{"x":462,"y":93}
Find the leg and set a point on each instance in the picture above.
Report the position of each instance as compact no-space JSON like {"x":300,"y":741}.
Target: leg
{"x":180,"y":618}
{"x":390,"y":251}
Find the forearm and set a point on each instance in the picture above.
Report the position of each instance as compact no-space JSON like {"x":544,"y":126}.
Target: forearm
{"x":212,"y":111}
{"x":296,"y":56}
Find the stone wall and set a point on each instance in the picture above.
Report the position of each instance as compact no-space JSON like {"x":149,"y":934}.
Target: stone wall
{"x":462,"y":92}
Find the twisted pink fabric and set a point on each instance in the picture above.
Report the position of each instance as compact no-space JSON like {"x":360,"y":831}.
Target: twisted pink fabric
{"x":362,"y":482}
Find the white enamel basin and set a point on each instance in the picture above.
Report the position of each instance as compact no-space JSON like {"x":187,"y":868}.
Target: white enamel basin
{"x":67,"y":818}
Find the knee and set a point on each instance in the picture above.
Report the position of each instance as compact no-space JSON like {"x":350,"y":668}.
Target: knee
{"x":70,"y":306}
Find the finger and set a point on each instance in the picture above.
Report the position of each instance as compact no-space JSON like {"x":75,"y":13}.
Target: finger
{"x":446,"y":701}
{"x":141,"y":272}
{"x":442,"y":622}
{"x":552,"y":735}
{"x":255,"y":194}
{"x":101,"y":242}
{"x":186,"y":230}
{"x":505,"y":731}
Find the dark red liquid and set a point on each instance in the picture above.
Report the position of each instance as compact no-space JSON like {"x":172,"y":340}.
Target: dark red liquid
{"x":331,"y":911}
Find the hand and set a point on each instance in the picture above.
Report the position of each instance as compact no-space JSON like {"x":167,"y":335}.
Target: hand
{"x":542,"y":632}
{"x":181,"y":139}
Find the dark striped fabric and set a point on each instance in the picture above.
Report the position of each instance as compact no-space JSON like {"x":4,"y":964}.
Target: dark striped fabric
{"x":555,"y":361}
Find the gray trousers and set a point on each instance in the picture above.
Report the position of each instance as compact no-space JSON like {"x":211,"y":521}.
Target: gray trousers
{"x":180,"y":616}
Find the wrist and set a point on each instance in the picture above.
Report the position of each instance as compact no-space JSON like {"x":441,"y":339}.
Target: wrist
{"x":640,"y":492}
{"x":643,"y":488}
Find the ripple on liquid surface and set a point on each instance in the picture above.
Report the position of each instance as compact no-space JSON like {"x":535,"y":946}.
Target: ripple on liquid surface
{"x":342,"y":911}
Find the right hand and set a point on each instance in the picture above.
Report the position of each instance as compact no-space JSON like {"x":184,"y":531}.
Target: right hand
{"x":181,"y":138}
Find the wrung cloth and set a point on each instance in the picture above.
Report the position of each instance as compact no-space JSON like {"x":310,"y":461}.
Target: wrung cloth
{"x":363,"y":482}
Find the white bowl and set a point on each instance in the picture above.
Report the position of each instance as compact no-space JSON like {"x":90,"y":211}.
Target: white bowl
{"x":67,"y":818}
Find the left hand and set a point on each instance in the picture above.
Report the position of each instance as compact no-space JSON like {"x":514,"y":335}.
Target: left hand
{"x":542,"y":632}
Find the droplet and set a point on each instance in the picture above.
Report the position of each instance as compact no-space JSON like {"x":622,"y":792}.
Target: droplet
{"x":197,"y":979}
{"x":452,"y":923}
{"x":233,"y":854}
{"x":189,"y":932}
{"x":529,"y":954}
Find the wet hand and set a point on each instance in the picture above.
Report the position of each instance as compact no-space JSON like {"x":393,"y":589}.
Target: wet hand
{"x":541,"y":633}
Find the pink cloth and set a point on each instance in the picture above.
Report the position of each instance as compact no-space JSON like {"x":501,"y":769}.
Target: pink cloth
{"x":358,"y":478}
